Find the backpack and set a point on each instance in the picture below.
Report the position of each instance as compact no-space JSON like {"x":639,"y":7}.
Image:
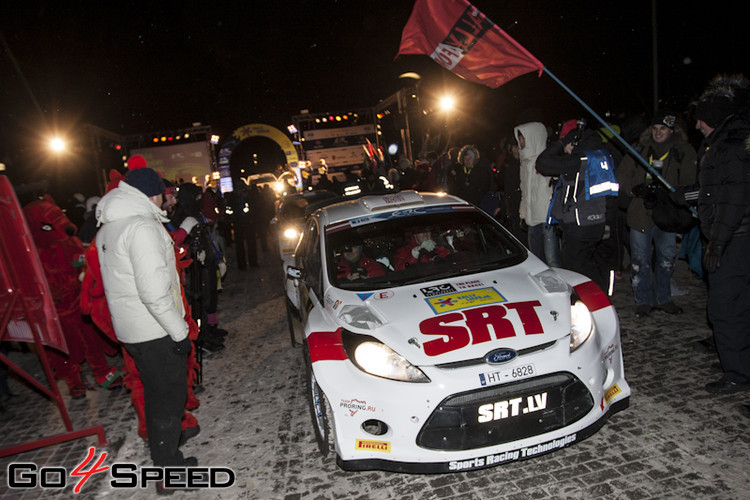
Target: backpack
{"x":583,"y":200}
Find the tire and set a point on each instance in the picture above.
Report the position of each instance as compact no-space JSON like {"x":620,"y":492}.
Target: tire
{"x":320,"y":411}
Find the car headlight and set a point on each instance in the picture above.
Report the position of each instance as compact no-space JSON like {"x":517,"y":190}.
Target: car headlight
{"x":581,"y":323}
{"x":373,"y":357}
{"x":291,"y":234}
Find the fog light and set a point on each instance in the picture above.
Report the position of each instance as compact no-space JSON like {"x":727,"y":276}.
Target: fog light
{"x":375,"y":427}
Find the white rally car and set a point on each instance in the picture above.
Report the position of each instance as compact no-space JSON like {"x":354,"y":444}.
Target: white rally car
{"x":435,"y":342}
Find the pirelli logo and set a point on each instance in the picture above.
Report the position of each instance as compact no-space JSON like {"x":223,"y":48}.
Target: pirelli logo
{"x":611,"y":392}
{"x":370,"y":445}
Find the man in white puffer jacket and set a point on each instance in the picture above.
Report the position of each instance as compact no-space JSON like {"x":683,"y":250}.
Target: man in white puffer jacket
{"x":536,"y":192}
{"x":143,"y":291}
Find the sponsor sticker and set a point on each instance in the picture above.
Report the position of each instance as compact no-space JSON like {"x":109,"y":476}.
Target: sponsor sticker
{"x":355,"y":405}
{"x":359,"y":221}
{"x":432,"y":291}
{"x":394,"y":198}
{"x":611,"y":393}
{"x":372,"y":445}
{"x":467,"y":285}
{"x":512,"y":455}
{"x":511,"y":408}
{"x":332,"y":304}
{"x":461,"y":300}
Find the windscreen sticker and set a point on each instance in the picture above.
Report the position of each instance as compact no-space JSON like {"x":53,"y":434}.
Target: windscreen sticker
{"x":432,"y":291}
{"x":461,"y":300}
{"x":396,"y":214}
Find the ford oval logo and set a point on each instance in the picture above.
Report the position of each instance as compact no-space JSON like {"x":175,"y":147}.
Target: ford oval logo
{"x":500,"y":356}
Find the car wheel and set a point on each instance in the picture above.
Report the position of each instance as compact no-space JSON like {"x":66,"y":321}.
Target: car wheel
{"x":291,"y":316}
{"x":320,"y":411}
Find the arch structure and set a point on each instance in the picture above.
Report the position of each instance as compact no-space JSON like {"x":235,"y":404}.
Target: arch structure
{"x":245,"y":132}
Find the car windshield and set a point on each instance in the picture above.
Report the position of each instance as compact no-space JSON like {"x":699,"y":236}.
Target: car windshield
{"x":397,"y":250}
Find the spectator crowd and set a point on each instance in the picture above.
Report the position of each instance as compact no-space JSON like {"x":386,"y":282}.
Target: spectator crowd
{"x":629,"y":197}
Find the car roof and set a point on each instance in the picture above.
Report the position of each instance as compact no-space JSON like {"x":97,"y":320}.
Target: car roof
{"x":369,"y":204}
{"x":309,"y":200}
{"x":256,"y":177}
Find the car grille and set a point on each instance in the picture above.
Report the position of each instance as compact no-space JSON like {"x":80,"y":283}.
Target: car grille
{"x":511,"y":412}
{"x":479,"y":361}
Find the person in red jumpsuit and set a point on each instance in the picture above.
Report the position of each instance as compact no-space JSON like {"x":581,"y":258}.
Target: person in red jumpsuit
{"x":421,"y":248}
{"x":355,"y":265}
{"x":62,"y":257}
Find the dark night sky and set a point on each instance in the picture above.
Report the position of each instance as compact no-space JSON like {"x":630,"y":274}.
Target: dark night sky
{"x":143,"y":67}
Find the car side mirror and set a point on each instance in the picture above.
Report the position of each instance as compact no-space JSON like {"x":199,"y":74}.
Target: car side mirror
{"x":294,"y":273}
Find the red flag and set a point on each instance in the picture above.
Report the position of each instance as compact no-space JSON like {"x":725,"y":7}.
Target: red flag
{"x":459,"y":37}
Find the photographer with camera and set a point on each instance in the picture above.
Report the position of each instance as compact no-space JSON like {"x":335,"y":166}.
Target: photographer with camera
{"x":664,"y":144}
{"x":579,"y":155}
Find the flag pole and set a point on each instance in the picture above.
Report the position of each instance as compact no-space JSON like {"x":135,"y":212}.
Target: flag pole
{"x":630,"y":148}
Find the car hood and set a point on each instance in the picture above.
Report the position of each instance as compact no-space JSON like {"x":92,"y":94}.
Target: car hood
{"x":461,"y":318}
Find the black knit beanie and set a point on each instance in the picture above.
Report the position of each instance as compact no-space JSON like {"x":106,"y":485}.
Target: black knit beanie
{"x":146,"y":180}
{"x":715,"y":109}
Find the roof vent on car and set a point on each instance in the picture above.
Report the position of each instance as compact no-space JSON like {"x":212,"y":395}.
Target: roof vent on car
{"x":390,"y":201}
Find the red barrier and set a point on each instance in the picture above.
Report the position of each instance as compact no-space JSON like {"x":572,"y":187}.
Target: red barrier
{"x":28,"y":312}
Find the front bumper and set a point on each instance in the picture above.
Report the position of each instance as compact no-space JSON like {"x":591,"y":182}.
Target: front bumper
{"x":455,"y":423}
{"x":484,"y":460}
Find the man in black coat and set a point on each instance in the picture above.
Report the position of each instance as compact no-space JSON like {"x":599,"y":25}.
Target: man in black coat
{"x":723,"y":118}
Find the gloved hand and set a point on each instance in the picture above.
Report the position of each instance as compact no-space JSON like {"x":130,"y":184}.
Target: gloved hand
{"x":678,"y":196}
{"x":570,"y":137}
{"x":712,"y":257}
{"x":427,"y":245}
{"x":640,"y":190}
{"x":183,"y":346}
{"x":188,"y":224}
{"x":386,"y":262}
{"x":222,"y":268}
{"x":201,"y":255}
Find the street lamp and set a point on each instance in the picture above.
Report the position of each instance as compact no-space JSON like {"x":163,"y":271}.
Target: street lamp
{"x":447,"y":103}
{"x":57,"y":145}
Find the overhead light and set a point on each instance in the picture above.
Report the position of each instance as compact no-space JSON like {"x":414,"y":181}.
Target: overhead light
{"x":57,"y":144}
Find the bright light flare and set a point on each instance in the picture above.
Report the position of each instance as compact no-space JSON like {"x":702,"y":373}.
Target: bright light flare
{"x":57,"y":145}
{"x":291,"y":234}
{"x":447,"y":103}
